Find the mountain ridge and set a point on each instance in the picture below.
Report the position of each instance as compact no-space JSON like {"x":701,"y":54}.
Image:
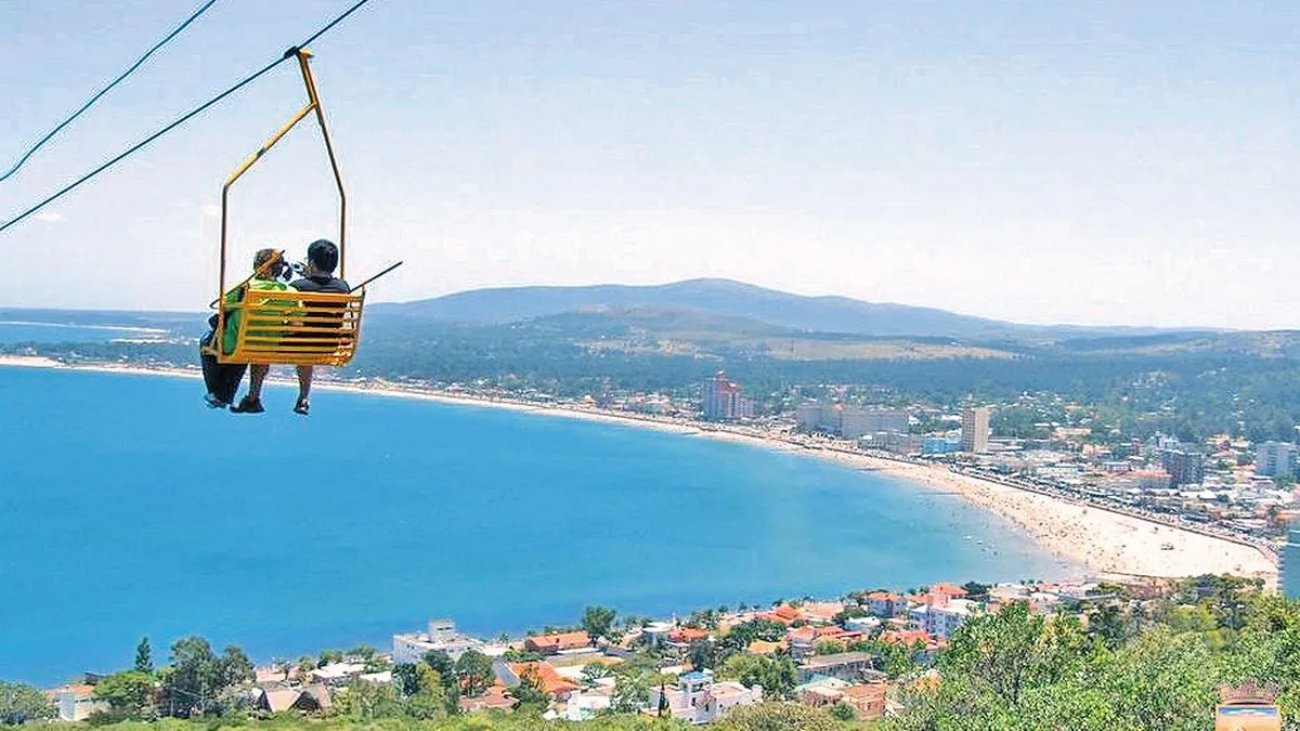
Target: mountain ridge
{"x":730,"y":298}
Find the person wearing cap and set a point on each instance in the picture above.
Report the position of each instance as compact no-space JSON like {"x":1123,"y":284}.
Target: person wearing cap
{"x":318,"y":276}
{"x":222,"y":379}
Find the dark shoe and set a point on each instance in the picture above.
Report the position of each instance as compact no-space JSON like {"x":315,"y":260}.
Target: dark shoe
{"x":213,"y":402}
{"x":302,"y":407}
{"x":248,"y":405}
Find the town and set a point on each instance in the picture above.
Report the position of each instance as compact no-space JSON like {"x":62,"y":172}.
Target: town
{"x":859,"y":658}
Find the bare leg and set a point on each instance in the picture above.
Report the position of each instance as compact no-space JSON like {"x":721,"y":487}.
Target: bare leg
{"x":256,"y":377}
{"x":304,"y":383}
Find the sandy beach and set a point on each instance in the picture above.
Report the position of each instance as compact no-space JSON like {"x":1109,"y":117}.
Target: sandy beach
{"x":1103,"y":541}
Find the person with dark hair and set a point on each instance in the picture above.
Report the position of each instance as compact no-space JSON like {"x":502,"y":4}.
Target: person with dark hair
{"x":322,"y":260}
{"x":222,"y":379}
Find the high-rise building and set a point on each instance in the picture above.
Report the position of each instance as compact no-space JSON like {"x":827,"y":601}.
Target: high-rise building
{"x":975,"y":429}
{"x":723,"y":400}
{"x":856,"y":421}
{"x":1276,"y":459}
{"x":1184,"y":467}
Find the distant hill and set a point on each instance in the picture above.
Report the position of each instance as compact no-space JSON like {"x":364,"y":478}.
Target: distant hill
{"x":730,"y":299}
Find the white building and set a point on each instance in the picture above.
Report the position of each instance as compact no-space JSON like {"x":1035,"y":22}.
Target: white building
{"x":944,"y":617}
{"x":698,"y":700}
{"x":1276,"y":459}
{"x":77,"y":701}
{"x":441,"y":636}
{"x":855,"y":421}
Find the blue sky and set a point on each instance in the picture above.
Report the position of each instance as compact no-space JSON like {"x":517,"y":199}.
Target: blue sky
{"x":1041,"y":162}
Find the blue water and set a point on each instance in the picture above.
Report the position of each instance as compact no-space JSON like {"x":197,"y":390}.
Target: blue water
{"x":44,"y":332}
{"x":127,"y":509}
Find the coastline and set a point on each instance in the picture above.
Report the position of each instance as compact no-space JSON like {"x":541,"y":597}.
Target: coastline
{"x":1105,"y":542}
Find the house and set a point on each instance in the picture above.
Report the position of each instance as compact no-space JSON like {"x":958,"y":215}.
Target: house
{"x":682,"y":637}
{"x":952,"y":591}
{"x":820,"y":690}
{"x":820,"y":612}
{"x":846,"y":666}
{"x":337,"y":673}
{"x":862,"y":624}
{"x":885,"y":604}
{"x":551,"y":682}
{"x":76,"y":702}
{"x":868,"y":700}
{"x":656,"y":633}
{"x":585,"y":705}
{"x":557,"y":643}
{"x":944,"y":617}
{"x":496,"y":698}
{"x":698,"y":700}
{"x":803,"y":640}
{"x":784,"y":614}
{"x":307,"y":699}
{"x":440,"y":637}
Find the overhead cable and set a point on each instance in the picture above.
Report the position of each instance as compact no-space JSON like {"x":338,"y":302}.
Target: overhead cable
{"x":139,"y":62}
{"x":183,"y":118}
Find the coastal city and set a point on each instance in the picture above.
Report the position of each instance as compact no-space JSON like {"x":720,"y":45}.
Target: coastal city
{"x":649,"y":366}
{"x":1226,"y":488}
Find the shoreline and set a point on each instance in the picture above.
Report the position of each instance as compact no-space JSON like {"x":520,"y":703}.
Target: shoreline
{"x":1103,"y":541}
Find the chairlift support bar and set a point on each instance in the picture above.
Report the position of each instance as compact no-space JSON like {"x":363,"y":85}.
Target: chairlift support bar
{"x":313,"y":105}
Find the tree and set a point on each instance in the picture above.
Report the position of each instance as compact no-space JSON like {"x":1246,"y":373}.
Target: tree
{"x":198,"y":679}
{"x":406,"y":677}
{"x":441,"y":663}
{"x":828,"y":647}
{"x":702,"y":655}
{"x":843,"y":712}
{"x":776,"y":675}
{"x":598,"y":621}
{"x":20,"y":703}
{"x":144,"y":657}
{"x":429,"y":699}
{"x":329,"y":657}
{"x":631,"y":692}
{"x":529,"y":692}
{"x":129,"y":694}
{"x":363,"y":700}
{"x":474,"y":671}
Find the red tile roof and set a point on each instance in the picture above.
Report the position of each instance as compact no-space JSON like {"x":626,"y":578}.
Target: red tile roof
{"x":558,"y":642}
{"x":552,"y":682}
{"x":687,"y":634}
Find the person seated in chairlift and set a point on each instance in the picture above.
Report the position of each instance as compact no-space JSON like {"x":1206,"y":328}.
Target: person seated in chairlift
{"x":222,"y":379}
{"x":318,"y":276}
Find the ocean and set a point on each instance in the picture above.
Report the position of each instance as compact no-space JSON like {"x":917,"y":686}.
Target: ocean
{"x":19,"y":331}
{"x":129,"y":509}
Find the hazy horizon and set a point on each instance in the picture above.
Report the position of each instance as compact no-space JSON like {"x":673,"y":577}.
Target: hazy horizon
{"x":1100,"y":165}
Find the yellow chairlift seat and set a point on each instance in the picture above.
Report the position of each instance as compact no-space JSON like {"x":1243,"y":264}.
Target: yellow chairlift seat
{"x":288,"y":327}
{"x":296,"y":328}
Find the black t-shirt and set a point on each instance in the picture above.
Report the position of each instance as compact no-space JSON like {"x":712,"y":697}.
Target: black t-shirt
{"x":332,"y":318}
{"x":320,"y":283}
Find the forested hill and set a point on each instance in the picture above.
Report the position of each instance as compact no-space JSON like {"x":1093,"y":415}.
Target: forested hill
{"x":727,"y":298}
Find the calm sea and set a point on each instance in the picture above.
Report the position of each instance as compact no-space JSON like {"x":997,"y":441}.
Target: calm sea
{"x":127,"y":508}
{"x":48,"y":332}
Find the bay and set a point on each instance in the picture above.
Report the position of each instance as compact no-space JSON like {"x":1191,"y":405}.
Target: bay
{"x":128,"y":509}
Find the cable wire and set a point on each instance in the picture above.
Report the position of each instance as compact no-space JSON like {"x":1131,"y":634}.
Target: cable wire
{"x":183,"y":118}
{"x":139,"y":62}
